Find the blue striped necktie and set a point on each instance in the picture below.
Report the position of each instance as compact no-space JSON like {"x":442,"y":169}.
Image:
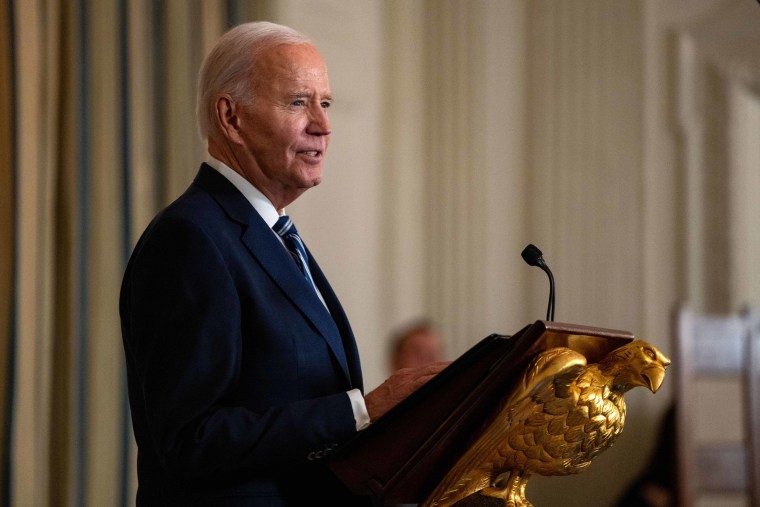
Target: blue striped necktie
{"x":286,"y":229}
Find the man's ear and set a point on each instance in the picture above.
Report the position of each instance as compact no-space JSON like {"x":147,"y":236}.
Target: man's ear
{"x":227,"y":118}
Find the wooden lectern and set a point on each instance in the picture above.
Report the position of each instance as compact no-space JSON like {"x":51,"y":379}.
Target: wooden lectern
{"x":403,"y":455}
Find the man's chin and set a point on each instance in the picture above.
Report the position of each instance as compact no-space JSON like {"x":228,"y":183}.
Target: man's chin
{"x":312,"y":178}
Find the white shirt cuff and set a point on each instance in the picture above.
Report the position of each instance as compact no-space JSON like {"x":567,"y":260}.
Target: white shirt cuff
{"x":360,"y":409}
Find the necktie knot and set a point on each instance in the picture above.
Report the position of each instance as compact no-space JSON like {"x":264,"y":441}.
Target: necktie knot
{"x":286,"y":229}
{"x":284,"y":226}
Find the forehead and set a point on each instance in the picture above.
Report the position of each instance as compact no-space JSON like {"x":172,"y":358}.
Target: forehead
{"x":292,"y":65}
{"x":420,"y":338}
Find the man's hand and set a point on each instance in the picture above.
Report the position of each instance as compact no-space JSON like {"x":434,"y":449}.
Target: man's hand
{"x":398,"y":386}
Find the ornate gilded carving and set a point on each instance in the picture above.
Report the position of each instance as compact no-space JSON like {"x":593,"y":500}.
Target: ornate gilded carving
{"x":562,"y":413}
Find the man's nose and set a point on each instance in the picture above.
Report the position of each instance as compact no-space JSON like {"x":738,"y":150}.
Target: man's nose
{"x":319,"y":122}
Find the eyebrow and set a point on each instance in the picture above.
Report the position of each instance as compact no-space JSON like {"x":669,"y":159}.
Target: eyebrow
{"x":304,"y":94}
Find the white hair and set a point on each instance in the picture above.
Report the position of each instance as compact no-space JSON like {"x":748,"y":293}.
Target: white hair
{"x":230,"y":65}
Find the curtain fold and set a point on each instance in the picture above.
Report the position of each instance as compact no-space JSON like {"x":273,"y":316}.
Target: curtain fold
{"x":7,"y":201}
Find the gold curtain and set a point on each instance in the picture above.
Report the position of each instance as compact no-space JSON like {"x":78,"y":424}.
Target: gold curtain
{"x":6,"y":241}
{"x":97,"y":130}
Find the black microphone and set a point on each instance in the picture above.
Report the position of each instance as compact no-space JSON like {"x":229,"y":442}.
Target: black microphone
{"x":533,"y":256}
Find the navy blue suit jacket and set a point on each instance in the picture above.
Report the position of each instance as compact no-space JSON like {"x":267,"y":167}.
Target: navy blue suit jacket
{"x":237,"y":373}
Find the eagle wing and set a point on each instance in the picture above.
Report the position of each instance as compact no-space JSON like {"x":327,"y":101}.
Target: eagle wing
{"x":503,"y":443}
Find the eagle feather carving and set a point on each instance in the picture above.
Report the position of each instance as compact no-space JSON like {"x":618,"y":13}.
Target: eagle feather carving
{"x":561,"y":415}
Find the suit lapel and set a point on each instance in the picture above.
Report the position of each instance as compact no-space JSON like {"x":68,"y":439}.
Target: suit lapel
{"x":341,"y":321}
{"x":274,"y":258}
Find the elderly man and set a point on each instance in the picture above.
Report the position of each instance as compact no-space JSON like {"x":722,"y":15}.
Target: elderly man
{"x":242,"y":367}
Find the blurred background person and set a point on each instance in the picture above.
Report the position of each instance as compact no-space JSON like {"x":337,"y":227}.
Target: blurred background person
{"x":416,"y":344}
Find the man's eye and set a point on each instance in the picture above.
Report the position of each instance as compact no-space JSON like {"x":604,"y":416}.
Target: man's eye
{"x":299,"y":102}
{"x":326,"y":105}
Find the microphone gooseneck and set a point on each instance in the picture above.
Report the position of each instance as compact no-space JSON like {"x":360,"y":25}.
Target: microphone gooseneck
{"x":533,"y":256}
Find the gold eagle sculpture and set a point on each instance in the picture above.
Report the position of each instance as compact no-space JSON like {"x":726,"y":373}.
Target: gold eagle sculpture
{"x":561,"y":414}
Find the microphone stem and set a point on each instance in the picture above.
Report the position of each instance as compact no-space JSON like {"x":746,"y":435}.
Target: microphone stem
{"x":550,"y":309}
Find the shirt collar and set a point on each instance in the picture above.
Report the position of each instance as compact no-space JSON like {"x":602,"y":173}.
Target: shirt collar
{"x":258,"y":200}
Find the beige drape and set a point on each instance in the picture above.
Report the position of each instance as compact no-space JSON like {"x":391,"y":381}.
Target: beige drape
{"x":98,"y":149}
{"x":6,"y":238}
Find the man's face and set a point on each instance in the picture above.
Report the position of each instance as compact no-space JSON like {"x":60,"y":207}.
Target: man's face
{"x":285,"y":132}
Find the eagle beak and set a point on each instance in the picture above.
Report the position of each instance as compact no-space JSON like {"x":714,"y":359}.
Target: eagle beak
{"x":653,"y":376}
